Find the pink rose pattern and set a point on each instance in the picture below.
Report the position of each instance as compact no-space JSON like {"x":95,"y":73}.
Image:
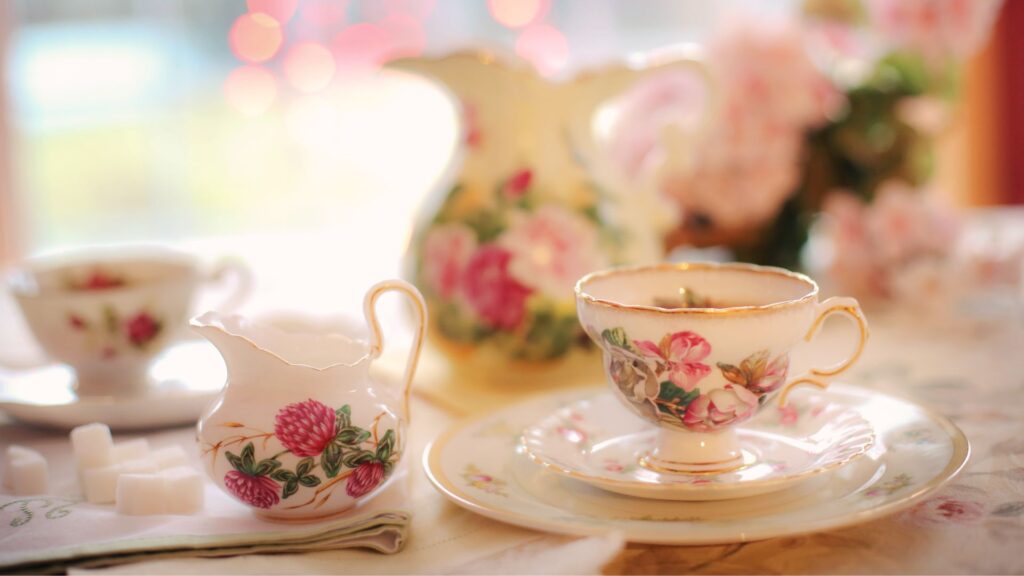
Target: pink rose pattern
{"x":667,"y":382}
{"x":138,"y":331}
{"x":492,"y":292}
{"x":320,"y":437}
{"x":505,"y":265}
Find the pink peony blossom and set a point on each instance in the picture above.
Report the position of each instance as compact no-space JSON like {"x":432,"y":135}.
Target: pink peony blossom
{"x":364,"y":478}
{"x":767,"y":90}
{"x":497,"y":297}
{"x":681,"y":353}
{"x":258,"y":491}
{"x":305,"y":428}
{"x":551,"y":249}
{"x":141,"y":329}
{"x":875,"y":246}
{"x":936,"y":29}
{"x":720,"y":408}
{"x":446,"y":251}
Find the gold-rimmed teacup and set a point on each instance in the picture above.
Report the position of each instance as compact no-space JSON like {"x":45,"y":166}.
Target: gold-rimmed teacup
{"x":697,"y":348}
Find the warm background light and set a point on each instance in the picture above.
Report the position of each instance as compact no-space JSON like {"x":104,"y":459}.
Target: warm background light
{"x":309,"y":67}
{"x":250,"y":90}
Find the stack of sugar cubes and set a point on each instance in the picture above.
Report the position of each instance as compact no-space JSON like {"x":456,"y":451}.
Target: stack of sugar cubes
{"x":26,"y":472}
{"x":138,"y":480}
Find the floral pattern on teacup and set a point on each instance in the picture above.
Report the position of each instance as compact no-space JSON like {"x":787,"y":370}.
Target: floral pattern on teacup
{"x":662,"y":380}
{"x":500,"y":267}
{"x":96,"y":279}
{"x":318,"y":437}
{"x":116,"y":334}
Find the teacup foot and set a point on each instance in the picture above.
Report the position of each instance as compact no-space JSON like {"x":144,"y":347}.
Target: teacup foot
{"x":697,"y":453}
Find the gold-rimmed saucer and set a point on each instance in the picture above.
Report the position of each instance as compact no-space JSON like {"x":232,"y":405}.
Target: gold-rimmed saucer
{"x":482,"y":466}
{"x":595,"y":441}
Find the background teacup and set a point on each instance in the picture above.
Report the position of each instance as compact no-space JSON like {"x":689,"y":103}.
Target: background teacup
{"x":699,"y":348}
{"x":107,"y":313}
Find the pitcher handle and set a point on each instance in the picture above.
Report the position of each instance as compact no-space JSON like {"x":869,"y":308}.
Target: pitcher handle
{"x":377,"y":340}
{"x":820,"y":376}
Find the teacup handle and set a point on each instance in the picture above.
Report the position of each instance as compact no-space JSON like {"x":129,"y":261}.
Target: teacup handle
{"x":377,"y":340}
{"x":819,"y":376}
{"x":242,"y":282}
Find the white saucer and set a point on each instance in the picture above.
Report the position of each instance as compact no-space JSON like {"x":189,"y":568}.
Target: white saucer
{"x":598,"y":442}
{"x":482,"y":466}
{"x":186,"y":378}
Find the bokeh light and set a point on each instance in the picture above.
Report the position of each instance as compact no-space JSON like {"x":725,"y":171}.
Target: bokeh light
{"x":381,"y":9}
{"x":323,"y":13}
{"x":279,"y":10}
{"x":255,"y":37}
{"x":309,"y":66}
{"x":406,"y":36}
{"x":545,"y":47}
{"x":518,"y":13}
{"x":251,"y":90}
{"x":361,"y":46}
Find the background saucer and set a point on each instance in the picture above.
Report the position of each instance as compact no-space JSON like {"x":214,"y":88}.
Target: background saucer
{"x":481,"y":466}
{"x":186,"y":378}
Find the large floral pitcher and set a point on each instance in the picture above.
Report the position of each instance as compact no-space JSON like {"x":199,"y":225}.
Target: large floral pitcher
{"x":528,"y":211}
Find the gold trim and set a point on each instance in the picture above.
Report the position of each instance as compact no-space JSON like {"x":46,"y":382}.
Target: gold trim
{"x":654,"y":464}
{"x":810,"y":296}
{"x":852,"y":311}
{"x":435,"y":473}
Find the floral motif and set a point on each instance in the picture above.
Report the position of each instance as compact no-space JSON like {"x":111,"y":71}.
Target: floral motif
{"x":319,"y":437}
{"x":680,"y":353}
{"x":662,"y":380}
{"x":475,"y":478}
{"x":97,"y":279}
{"x":365,"y":478}
{"x":258,"y":491}
{"x":498,"y":267}
{"x":890,"y":486}
{"x":719,"y":408}
{"x":756,"y":373}
{"x":551,"y":248}
{"x":305,"y":428}
{"x":944,"y":509}
{"x":137,"y":331}
{"x":446,"y":252}
{"x":494,"y":294}
{"x":141,"y":329}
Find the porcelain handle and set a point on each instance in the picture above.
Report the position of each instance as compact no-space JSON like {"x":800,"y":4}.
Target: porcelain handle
{"x":377,"y":340}
{"x":241,"y":284}
{"x":819,"y":376}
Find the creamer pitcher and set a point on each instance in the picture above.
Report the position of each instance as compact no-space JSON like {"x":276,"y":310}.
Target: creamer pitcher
{"x":301,"y":429}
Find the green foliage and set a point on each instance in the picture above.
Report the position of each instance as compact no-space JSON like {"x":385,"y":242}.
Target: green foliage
{"x":676,"y":396}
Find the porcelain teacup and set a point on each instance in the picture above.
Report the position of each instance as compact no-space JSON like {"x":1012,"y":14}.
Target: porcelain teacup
{"x":107,"y":313}
{"x":699,"y":348}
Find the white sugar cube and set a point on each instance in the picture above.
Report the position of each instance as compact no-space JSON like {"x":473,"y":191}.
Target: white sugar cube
{"x":184,"y":490}
{"x":101,"y":484}
{"x":15,"y":452}
{"x":92,"y":445}
{"x":139,"y":466}
{"x":131,"y":450}
{"x":140,"y":494}
{"x":29,"y":475}
{"x":169,"y":457}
